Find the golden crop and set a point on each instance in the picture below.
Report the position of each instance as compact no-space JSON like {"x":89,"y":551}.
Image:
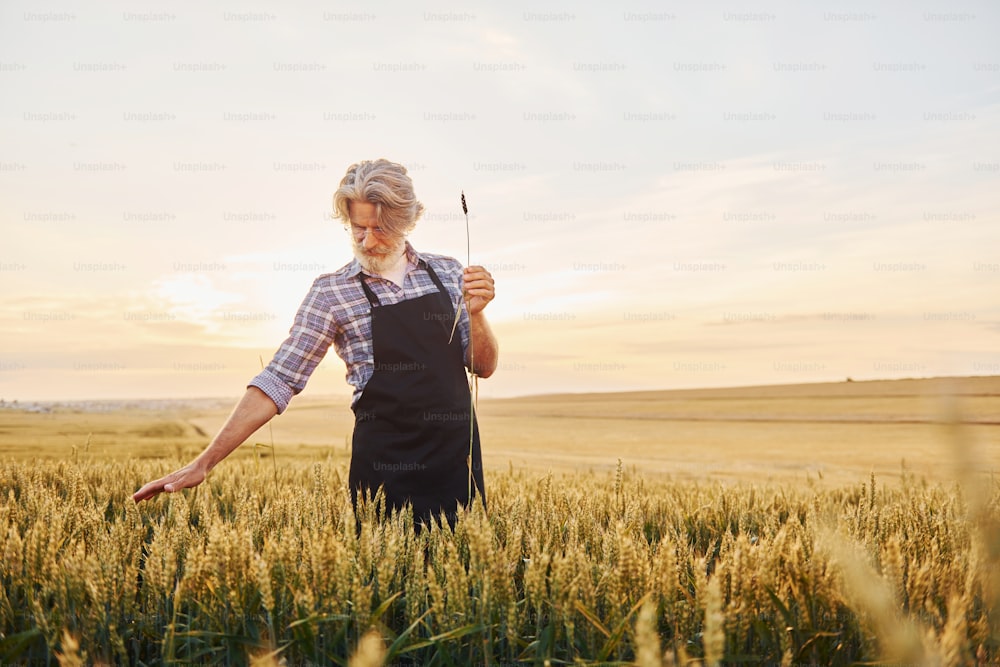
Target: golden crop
{"x":265,"y":566}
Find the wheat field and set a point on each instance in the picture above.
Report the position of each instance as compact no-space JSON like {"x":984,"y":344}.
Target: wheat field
{"x":643,"y":549}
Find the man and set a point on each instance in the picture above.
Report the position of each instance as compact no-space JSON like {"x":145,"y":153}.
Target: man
{"x":389,"y":314}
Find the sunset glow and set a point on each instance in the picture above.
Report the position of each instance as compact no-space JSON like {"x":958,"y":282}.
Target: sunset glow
{"x":668,"y":196}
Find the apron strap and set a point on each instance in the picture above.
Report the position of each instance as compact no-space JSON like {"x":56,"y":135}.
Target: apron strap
{"x":437,"y":281}
{"x":374,"y":301}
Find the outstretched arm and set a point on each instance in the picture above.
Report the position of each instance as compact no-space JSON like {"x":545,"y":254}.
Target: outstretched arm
{"x":253,"y":411}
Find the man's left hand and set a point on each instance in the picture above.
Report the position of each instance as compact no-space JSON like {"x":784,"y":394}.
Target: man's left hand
{"x":477,"y":284}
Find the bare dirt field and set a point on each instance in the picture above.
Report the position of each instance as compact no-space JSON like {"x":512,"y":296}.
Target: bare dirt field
{"x":829,"y":434}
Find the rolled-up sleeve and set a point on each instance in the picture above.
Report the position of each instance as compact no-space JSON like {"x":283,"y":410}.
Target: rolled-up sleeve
{"x":308,"y":340}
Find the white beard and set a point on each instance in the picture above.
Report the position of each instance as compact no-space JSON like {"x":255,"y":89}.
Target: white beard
{"x":382,"y":260}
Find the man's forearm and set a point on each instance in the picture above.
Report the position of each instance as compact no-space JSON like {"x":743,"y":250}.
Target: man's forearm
{"x":253,"y":411}
{"x":485,"y":349}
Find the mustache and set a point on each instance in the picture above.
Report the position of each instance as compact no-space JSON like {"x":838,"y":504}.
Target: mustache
{"x":379,"y":250}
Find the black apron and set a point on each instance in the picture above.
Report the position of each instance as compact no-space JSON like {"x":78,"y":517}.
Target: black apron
{"x":411,"y":423}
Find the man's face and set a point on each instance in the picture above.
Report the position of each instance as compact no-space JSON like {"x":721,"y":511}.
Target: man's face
{"x":375,"y":249}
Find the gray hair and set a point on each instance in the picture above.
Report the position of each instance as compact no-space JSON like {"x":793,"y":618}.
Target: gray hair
{"x":384,"y":184}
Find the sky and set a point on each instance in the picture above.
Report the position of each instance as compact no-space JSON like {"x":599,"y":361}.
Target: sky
{"x":668,"y":195}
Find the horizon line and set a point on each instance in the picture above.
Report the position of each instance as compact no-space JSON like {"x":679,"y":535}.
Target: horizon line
{"x":346,"y":395}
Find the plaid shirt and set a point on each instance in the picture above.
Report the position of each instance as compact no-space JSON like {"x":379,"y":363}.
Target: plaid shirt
{"x":337,"y":311}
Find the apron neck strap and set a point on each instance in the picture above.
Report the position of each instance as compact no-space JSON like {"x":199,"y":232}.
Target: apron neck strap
{"x":373,"y":300}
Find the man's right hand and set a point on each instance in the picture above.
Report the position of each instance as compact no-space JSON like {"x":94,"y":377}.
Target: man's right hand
{"x":188,"y":476}
{"x":253,"y":411}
